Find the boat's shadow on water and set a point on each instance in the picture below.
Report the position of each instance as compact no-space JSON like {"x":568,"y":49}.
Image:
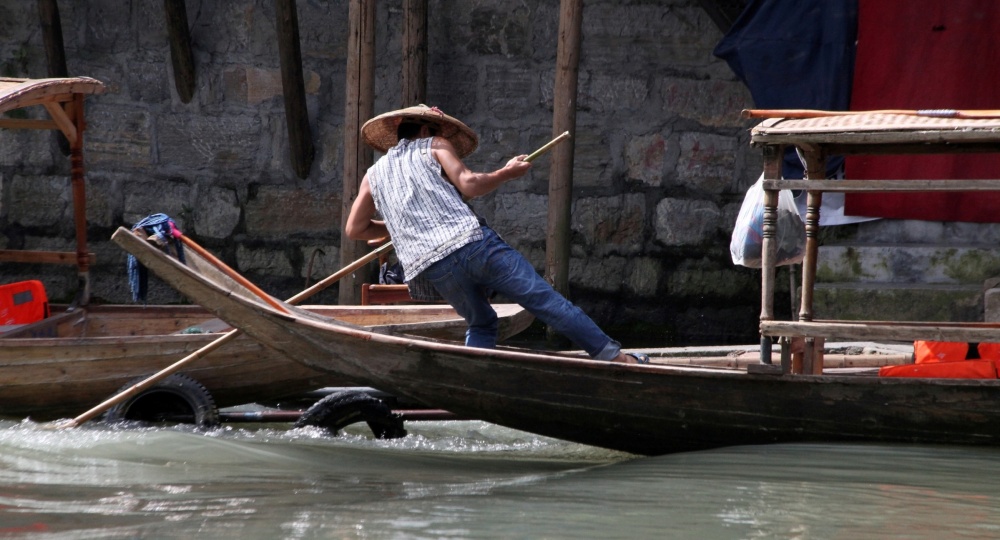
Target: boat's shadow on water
{"x":472,"y":479}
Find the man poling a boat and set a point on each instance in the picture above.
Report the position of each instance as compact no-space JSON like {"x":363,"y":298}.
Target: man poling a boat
{"x":419,"y":188}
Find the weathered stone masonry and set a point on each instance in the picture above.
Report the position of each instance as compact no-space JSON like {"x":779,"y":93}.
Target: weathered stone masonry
{"x":662,"y":158}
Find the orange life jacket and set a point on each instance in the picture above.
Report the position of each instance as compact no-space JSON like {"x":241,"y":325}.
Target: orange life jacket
{"x":968,"y":369}
{"x":932,"y":352}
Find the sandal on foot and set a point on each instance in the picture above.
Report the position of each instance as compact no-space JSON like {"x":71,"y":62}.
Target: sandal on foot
{"x":640,"y":358}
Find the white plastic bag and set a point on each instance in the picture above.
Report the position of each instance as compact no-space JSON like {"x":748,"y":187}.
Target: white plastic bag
{"x":748,"y":235}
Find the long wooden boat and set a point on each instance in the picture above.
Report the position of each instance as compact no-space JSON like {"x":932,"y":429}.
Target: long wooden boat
{"x":67,"y":363}
{"x":644,"y":409}
{"x":71,"y":361}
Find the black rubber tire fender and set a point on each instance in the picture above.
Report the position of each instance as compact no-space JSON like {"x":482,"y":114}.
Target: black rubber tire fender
{"x":177,"y":398}
{"x":341,"y":409}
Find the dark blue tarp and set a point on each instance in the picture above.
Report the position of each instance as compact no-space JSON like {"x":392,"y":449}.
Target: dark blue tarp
{"x":795,"y":54}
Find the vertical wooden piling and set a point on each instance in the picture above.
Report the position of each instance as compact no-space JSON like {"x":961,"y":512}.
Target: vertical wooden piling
{"x":414,"y":89}
{"x":74,"y":110}
{"x":181,"y":55}
{"x":300,"y":145}
{"x":55,"y":52}
{"x":561,"y":168}
{"x":359,"y":107}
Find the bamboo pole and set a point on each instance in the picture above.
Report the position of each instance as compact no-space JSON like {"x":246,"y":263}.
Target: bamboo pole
{"x":563,"y":120}
{"x":300,"y":145}
{"x":359,"y":106}
{"x":548,"y":146}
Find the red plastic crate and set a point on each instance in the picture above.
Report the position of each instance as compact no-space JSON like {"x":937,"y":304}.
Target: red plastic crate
{"x":23,"y":302}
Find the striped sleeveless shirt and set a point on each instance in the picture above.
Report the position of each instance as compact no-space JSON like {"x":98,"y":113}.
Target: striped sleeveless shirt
{"x":425,"y":214}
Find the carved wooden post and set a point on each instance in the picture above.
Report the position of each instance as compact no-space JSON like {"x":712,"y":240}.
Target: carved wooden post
{"x":815,"y":162}
{"x":300,"y":144}
{"x":815,"y":170}
{"x":414,"y":66}
{"x":359,"y":107}
{"x":181,"y":57}
{"x":769,"y":250}
{"x":561,"y":169}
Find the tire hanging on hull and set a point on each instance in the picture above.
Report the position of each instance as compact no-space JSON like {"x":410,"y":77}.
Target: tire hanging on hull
{"x":341,"y":409}
{"x":177,"y":398}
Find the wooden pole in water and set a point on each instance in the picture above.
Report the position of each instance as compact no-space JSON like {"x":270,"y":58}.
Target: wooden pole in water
{"x":414,"y":53}
{"x":561,"y":169}
{"x":359,"y":98}
{"x":181,"y":57}
{"x":300,"y":145}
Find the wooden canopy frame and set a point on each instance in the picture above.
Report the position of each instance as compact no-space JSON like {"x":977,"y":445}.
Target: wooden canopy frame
{"x":62,"y":98}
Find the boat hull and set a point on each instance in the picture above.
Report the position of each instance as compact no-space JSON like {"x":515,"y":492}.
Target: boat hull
{"x":644,"y":409}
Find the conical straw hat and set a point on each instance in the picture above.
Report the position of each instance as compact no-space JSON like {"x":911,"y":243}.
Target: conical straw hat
{"x":380,"y":132}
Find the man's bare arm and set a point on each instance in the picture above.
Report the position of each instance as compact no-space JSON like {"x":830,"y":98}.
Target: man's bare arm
{"x":475,"y":184}
{"x":360,"y":225}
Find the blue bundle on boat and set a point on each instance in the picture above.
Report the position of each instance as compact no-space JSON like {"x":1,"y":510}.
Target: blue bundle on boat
{"x":162,"y":231}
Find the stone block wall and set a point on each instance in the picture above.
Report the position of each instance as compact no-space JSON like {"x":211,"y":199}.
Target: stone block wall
{"x":661,"y":157}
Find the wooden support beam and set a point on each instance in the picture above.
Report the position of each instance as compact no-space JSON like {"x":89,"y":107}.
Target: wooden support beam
{"x":62,"y":120}
{"x":75,"y":111}
{"x":300,"y":144}
{"x":359,"y":97}
{"x":43,"y":257}
{"x":27,"y":123}
{"x":815,"y":170}
{"x":561,"y":168}
{"x":181,"y":55}
{"x":769,"y":250}
{"x":414,"y":75}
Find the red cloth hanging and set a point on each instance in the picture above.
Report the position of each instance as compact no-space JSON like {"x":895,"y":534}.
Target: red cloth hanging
{"x":926,"y":54}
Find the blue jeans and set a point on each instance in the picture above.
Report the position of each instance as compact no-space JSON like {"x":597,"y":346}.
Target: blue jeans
{"x":466,"y":277}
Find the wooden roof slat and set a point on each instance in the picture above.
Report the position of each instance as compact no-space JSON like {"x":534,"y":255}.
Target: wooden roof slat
{"x":876,"y":129}
{"x":20,"y":93}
